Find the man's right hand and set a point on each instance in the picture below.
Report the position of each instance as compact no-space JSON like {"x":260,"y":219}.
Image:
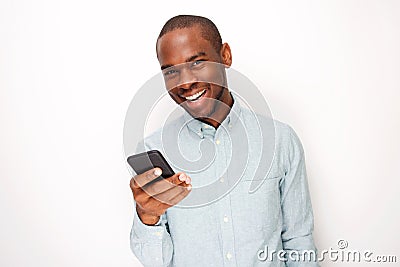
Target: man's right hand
{"x":153,"y":199}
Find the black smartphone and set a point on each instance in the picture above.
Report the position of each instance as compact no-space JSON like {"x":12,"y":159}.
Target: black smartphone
{"x":145,"y":161}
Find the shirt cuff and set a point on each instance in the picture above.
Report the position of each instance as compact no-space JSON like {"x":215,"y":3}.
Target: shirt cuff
{"x":147,"y":232}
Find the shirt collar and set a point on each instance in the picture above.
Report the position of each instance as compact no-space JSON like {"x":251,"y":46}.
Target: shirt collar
{"x":229,"y":122}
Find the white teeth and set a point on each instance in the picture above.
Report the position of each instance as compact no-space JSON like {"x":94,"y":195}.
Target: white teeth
{"x":195,"y":96}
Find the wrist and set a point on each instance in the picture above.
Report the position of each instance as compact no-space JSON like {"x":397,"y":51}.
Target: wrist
{"x":147,"y":219}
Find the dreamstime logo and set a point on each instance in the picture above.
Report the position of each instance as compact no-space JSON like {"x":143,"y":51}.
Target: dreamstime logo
{"x":212,"y":77}
{"x":341,"y":254}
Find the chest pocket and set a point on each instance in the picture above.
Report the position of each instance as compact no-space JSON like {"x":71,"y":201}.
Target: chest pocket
{"x":260,"y":210}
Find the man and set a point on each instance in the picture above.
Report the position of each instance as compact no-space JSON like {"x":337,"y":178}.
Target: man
{"x":235,"y":229}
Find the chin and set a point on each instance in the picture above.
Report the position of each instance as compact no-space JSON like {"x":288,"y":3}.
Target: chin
{"x":203,"y":113}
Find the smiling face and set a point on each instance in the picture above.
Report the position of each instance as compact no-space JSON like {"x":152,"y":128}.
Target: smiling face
{"x":192,"y":75}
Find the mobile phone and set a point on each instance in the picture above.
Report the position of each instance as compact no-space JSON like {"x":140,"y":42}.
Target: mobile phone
{"x":148,"y":160}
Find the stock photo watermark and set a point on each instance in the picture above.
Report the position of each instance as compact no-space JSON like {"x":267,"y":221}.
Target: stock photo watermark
{"x":340,"y":253}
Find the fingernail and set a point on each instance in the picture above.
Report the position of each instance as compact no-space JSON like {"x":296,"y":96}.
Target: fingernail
{"x":157,"y":172}
{"x":188,"y":180}
{"x":182,"y":177}
{"x":189,"y":187}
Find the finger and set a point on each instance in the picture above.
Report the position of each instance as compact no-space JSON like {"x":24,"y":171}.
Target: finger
{"x":166,"y":184}
{"x":140,"y":196}
{"x":178,"y":198}
{"x":145,"y":178}
{"x":178,"y":178}
{"x":166,"y":197}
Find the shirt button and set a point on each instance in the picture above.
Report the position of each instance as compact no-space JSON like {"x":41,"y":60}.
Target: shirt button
{"x":159,"y":234}
{"x":217,"y":142}
{"x":226,"y":219}
{"x":221,"y":180}
{"x":228,"y":255}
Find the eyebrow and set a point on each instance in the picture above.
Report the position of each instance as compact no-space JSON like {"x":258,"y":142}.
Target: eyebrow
{"x":200,"y":54}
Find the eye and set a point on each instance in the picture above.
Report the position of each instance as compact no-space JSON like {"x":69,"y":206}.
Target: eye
{"x":198,"y":62}
{"x":169,"y":72}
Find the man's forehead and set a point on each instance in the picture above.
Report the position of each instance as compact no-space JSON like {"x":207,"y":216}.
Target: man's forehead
{"x":180,"y":44}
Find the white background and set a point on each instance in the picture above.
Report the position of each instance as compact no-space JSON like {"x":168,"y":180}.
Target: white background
{"x":68,"y":70}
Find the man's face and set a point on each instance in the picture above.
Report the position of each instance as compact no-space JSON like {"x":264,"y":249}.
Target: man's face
{"x":190,"y":75}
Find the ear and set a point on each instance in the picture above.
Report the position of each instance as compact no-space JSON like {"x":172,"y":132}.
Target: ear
{"x":226,"y":55}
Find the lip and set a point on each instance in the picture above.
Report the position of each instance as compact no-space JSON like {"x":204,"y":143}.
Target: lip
{"x":198,"y":106}
{"x":196,"y":96}
{"x":194,"y":93}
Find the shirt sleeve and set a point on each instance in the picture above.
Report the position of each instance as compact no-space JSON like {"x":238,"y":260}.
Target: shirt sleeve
{"x":296,"y":206}
{"x":151,"y":244}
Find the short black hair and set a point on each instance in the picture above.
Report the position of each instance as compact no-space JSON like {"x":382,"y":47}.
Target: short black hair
{"x":208,"y":29}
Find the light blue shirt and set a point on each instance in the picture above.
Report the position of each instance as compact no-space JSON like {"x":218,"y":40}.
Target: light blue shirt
{"x":235,"y":229}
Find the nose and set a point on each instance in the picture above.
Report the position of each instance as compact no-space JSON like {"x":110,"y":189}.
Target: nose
{"x":186,"y":79}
